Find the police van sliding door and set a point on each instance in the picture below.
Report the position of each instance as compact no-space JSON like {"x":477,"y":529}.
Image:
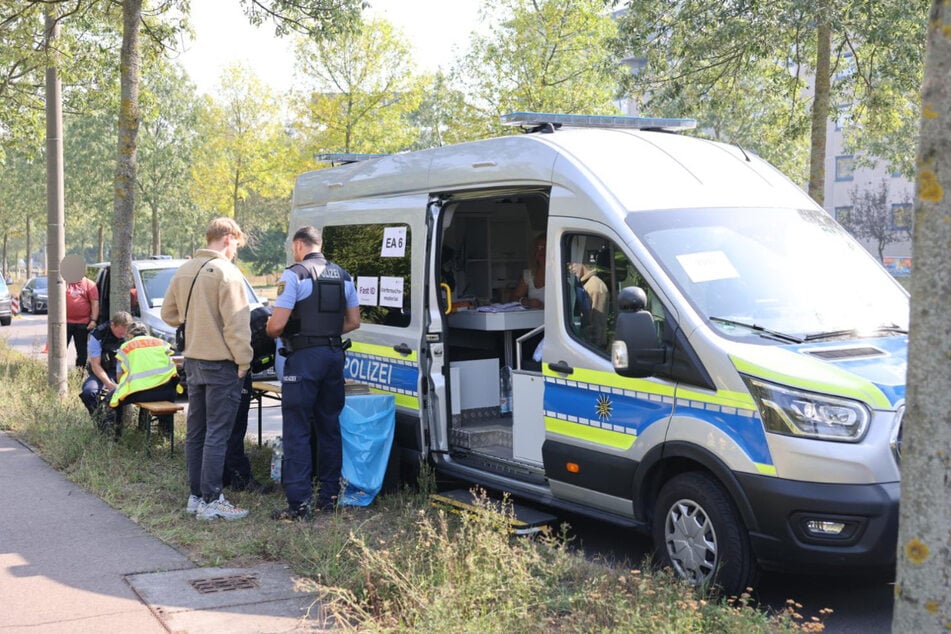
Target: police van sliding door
{"x":381,"y":242}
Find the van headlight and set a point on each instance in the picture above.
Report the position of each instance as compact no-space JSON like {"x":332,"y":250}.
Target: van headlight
{"x":793,"y":412}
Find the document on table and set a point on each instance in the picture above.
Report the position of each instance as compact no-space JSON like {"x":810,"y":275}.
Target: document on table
{"x":501,"y":308}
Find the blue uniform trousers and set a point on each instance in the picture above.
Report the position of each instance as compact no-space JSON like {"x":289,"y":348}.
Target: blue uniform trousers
{"x":312,"y":393}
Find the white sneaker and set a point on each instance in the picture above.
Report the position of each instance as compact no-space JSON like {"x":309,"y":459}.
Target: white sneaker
{"x":219,"y":508}
{"x":192,"y":507}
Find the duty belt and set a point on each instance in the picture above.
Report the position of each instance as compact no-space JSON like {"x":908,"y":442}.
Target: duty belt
{"x":300,"y":343}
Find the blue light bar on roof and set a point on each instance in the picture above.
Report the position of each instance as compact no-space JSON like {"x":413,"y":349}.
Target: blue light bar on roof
{"x":341,"y":158}
{"x":535,"y":119}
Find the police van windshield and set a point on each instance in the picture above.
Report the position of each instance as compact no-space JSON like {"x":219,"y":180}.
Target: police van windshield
{"x":781,"y":274}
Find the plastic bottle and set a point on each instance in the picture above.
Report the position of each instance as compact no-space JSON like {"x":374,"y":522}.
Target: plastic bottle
{"x":277,"y":459}
{"x":505,"y":390}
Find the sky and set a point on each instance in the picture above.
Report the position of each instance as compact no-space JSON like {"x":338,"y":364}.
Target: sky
{"x":437,"y":29}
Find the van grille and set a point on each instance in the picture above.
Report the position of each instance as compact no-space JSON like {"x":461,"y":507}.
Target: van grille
{"x":838,"y":354}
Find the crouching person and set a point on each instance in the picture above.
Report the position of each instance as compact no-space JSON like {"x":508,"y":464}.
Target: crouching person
{"x":146,"y":371}
{"x":104,"y":342}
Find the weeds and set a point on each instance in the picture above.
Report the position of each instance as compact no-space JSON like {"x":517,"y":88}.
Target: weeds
{"x":398,"y":565}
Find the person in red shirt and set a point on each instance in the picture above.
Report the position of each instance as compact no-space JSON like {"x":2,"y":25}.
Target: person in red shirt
{"x":82,"y":314}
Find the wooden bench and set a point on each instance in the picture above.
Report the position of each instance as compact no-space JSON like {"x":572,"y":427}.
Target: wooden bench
{"x":163,"y":413}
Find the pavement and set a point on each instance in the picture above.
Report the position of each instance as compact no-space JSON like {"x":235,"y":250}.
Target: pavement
{"x":71,"y":563}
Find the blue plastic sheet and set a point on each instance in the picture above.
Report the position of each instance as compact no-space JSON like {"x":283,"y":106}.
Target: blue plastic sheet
{"x":367,"y":424}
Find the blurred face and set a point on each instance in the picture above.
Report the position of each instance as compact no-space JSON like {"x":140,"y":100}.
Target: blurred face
{"x":119,"y":331}
{"x":540,"y":250}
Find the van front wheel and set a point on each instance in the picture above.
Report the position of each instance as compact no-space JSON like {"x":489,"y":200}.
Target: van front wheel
{"x":698,"y":532}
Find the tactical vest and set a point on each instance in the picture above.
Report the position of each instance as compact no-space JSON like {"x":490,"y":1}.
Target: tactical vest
{"x":321,"y":313}
{"x":144,"y":363}
{"x":110,"y":344}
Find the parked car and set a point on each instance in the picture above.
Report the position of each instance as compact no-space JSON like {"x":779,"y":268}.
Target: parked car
{"x":34,"y":297}
{"x":150,"y":280}
{"x":6,"y":313}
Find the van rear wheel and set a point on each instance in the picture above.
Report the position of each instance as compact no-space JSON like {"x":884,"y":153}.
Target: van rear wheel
{"x":699,"y":533}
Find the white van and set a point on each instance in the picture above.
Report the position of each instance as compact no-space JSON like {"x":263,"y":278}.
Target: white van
{"x":721,"y":365}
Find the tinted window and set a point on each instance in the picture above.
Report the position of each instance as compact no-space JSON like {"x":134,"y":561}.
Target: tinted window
{"x":358,"y":249}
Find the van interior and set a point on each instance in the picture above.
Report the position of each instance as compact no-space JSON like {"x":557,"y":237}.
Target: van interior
{"x":495,"y":377}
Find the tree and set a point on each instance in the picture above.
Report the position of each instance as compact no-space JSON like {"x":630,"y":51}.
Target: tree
{"x":923,"y":584}
{"x":541,"y":55}
{"x":315,"y":18}
{"x":243,"y":149}
{"x":869,"y":54}
{"x":360,"y":89}
{"x":872,"y":218}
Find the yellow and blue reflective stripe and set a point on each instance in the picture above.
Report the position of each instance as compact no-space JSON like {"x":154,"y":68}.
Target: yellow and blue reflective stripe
{"x":607,"y":409}
{"x":385,"y":371}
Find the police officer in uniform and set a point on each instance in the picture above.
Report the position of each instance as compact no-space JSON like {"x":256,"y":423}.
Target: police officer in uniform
{"x":316,"y":304}
{"x":104,"y":342}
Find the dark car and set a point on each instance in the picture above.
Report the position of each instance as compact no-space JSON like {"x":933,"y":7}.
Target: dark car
{"x":34,"y":297}
{"x":6,"y":312}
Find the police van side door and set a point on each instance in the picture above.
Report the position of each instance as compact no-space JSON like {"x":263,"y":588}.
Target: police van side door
{"x":598,"y":425}
{"x":381,"y":242}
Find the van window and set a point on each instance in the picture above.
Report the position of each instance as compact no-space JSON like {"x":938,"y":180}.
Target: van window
{"x":596,"y":271}
{"x":361,"y":251}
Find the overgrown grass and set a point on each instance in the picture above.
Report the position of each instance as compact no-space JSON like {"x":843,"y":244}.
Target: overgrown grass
{"x":396,"y":566}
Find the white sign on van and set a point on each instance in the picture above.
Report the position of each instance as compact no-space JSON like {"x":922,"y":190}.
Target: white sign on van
{"x":391,"y":292}
{"x":707,"y":266}
{"x":394,"y":242}
{"x":368,"y":290}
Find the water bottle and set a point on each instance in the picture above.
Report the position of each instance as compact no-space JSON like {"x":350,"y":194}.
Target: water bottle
{"x":277,"y":459}
{"x":505,"y":390}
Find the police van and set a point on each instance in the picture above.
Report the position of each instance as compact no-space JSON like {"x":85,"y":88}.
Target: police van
{"x":716,"y":363}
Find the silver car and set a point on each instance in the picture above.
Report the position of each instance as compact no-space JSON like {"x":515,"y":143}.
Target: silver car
{"x":6,"y":313}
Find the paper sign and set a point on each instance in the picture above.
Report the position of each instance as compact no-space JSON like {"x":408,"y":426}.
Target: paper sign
{"x":367,"y":290}
{"x":391,"y":292}
{"x":394,"y":242}
{"x":707,"y":266}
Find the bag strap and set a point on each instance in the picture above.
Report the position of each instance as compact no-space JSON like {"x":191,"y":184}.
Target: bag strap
{"x":192,"y":287}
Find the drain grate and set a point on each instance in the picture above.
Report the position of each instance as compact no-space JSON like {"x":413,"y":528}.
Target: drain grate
{"x":225,"y":584}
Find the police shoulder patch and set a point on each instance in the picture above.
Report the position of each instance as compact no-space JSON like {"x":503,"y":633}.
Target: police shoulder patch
{"x":280,"y":287}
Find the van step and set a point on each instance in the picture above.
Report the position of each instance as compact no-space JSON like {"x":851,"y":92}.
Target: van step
{"x":524,"y":520}
{"x":478,"y":437}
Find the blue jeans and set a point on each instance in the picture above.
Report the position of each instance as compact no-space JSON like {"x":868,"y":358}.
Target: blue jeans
{"x":214,"y":391}
{"x":312,"y":392}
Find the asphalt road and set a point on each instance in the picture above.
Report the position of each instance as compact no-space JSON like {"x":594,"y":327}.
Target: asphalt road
{"x":860,"y":604}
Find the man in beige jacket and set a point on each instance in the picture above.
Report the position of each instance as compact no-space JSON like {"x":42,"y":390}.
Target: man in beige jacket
{"x":208,"y":294}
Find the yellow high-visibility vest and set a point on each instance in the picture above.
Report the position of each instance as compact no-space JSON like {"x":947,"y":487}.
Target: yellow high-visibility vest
{"x":143,"y":362}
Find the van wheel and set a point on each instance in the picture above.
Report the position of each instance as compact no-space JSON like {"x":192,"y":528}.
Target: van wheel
{"x":5,"y":321}
{"x":699,"y":533}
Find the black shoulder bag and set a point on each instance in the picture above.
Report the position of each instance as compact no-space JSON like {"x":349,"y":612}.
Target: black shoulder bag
{"x":180,"y":331}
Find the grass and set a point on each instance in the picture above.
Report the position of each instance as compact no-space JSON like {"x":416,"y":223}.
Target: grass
{"x":396,"y":566}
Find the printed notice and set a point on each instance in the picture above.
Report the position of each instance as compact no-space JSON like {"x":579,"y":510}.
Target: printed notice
{"x":391,"y":292}
{"x":707,"y":266}
{"x":394,"y":242}
{"x":368,"y":290}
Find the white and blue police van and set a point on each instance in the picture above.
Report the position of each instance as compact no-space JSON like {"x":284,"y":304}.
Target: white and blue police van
{"x":716,"y":363}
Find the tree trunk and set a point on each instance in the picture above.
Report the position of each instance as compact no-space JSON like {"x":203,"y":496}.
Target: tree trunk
{"x":124,"y":210}
{"x":29,"y":248}
{"x":820,"y":103}
{"x":102,"y":243}
{"x":55,"y":216}
{"x":156,"y":231}
{"x":923,"y":583}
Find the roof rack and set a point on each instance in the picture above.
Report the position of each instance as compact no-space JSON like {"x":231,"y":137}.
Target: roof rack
{"x":344,"y":158}
{"x":549,"y":122}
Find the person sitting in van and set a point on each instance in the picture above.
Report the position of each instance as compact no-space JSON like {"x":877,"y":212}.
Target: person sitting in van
{"x":530,"y":291}
{"x":591,"y":299}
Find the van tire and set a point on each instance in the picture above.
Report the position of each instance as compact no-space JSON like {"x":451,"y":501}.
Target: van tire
{"x":5,"y":321}
{"x":695,"y":511}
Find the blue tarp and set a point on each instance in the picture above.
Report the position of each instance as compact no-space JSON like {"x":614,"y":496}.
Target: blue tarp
{"x":367,"y":424}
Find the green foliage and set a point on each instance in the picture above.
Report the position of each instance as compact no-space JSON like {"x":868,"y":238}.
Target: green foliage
{"x":314,"y":18}
{"x":742,"y":69}
{"x":359,"y":90}
{"x":265,"y":252}
{"x":541,"y":55}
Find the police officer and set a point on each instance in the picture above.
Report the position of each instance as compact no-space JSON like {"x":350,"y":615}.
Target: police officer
{"x":104,"y":342}
{"x":316,"y":304}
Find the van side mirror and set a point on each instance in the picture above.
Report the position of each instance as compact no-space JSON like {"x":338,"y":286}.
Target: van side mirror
{"x":636,"y":351}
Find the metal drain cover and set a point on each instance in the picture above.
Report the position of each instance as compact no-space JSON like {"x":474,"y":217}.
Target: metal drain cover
{"x":225,"y":584}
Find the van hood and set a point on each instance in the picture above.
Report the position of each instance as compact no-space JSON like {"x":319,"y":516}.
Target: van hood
{"x":870,"y":370}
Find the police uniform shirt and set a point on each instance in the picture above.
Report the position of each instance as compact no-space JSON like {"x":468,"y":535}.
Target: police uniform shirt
{"x":291,"y":289}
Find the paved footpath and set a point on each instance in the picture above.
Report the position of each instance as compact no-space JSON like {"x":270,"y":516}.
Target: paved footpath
{"x":71,"y":563}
